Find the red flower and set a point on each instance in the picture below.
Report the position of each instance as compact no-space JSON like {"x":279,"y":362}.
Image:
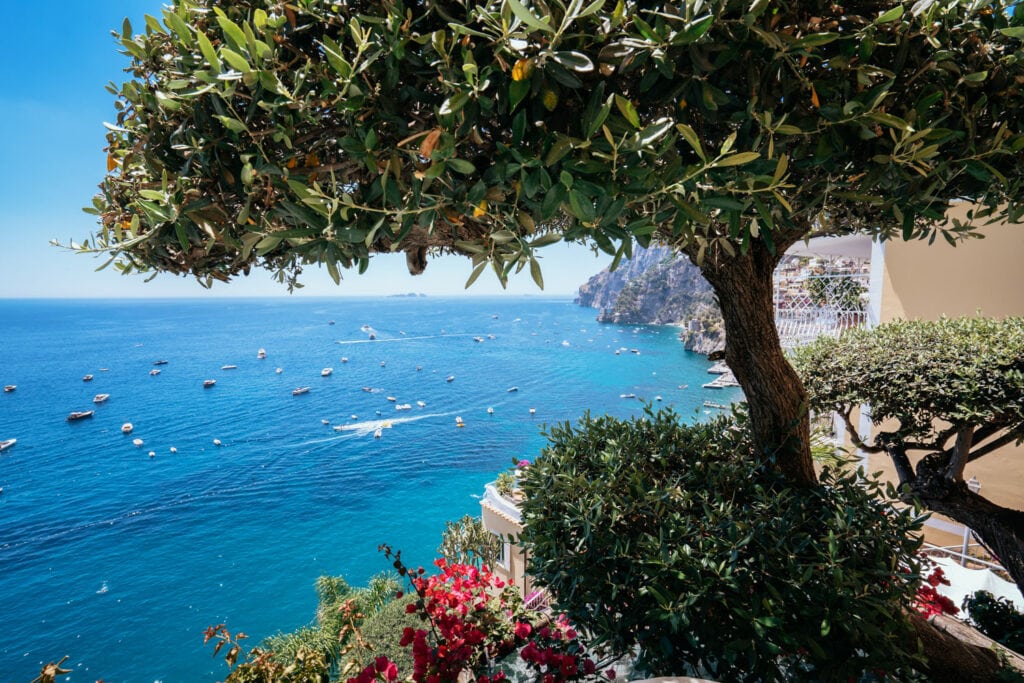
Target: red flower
{"x":523,"y":629}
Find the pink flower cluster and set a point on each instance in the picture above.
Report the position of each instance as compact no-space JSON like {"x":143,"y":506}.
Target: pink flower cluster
{"x":475,"y":619}
{"x":929,"y":601}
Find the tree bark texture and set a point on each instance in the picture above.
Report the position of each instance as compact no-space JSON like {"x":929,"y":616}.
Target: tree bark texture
{"x":775,"y":395}
{"x":949,"y":658}
{"x":1000,"y":529}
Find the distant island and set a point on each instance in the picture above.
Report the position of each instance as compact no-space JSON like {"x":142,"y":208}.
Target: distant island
{"x":658,"y":287}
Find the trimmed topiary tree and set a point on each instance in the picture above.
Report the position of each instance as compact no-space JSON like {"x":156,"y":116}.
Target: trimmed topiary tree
{"x":942,"y":395}
{"x":678,"y":540}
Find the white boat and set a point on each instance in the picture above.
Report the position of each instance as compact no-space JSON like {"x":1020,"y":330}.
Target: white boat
{"x":373,"y":336}
{"x":79,"y":415}
{"x":513,"y":389}
{"x":565,"y":342}
{"x":127,"y":428}
{"x":278,"y":371}
{"x":459,"y":422}
{"x":159,"y":362}
{"x":154,"y":372}
{"x":207,"y":383}
{"x":636,"y":351}
{"x":712,"y":404}
{"x":478,"y":339}
{"x":627,"y":395}
{"x":87,"y":378}
{"x":8,"y":388}
{"x":657,"y":398}
{"x":325,"y":421}
{"x":490,"y":336}
{"x":365,"y":328}
{"x":216,"y":442}
{"x":403,"y":406}
{"x":421,"y":404}
{"x":418,"y":368}
{"x":392,"y":399}
{"x":261,"y":354}
{"x":344,"y":359}
{"x":229,"y":367}
{"x":450,"y":378}
{"x":137,"y":442}
{"x":490,"y":411}
{"x":300,"y":390}
{"x":383,"y":364}
{"x":377,"y":432}
{"x":533,"y":411}
{"x":100,"y":398}
{"x":326,"y":372}
{"x":7,"y":443}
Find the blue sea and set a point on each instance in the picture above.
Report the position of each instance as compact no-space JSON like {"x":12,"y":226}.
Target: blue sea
{"x":121,"y":555}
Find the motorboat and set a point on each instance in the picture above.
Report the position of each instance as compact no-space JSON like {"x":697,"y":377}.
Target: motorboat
{"x":635,"y":351}
{"x":657,"y":398}
{"x":10,"y":387}
{"x":450,"y":378}
{"x":326,"y":372}
{"x":383,"y":364}
{"x":344,"y":359}
{"x":565,"y":342}
{"x":261,"y":354}
{"x":403,"y":406}
{"x":373,"y":336}
{"x":79,"y":415}
{"x":418,"y":368}
{"x":216,"y":442}
{"x":7,"y":443}
{"x":421,"y":404}
{"x":207,"y":383}
{"x":137,"y":443}
{"x":377,"y":432}
{"x":325,"y":421}
{"x":490,"y":411}
{"x":278,"y":370}
{"x":627,"y":395}
{"x":512,"y":390}
{"x":154,"y":372}
{"x":87,"y":378}
{"x":300,"y":390}
{"x":459,"y":422}
{"x":100,"y":398}
{"x":330,"y":322}
{"x":712,"y":404}
{"x":392,"y":399}
{"x":229,"y":367}
{"x":490,"y":336}
{"x":365,"y":328}
{"x":533,"y":411}
{"x":159,"y":362}
{"x":127,"y":428}
{"x":478,"y":339}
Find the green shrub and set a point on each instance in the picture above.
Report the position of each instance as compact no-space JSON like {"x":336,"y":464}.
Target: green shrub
{"x":997,"y":618}
{"x":466,"y":541}
{"x":383,"y":630}
{"x":676,"y":542}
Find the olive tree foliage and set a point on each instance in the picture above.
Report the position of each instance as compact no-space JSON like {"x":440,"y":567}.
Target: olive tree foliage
{"x":466,"y":541}
{"x":942,"y":395}
{"x":281,"y":134}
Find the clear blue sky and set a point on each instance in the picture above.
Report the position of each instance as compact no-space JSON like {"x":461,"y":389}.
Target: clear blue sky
{"x":59,"y":57}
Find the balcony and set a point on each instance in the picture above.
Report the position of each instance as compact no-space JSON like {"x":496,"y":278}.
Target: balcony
{"x":501,"y":504}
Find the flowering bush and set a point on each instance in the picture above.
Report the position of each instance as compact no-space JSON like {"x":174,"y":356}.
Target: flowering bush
{"x":929,"y":601}
{"x":474,"y":620}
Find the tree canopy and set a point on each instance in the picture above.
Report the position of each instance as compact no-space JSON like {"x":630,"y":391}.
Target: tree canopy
{"x":279,"y":134}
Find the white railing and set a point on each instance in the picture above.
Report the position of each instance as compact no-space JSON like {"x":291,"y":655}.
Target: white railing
{"x":501,"y":503}
{"x":810,"y":305}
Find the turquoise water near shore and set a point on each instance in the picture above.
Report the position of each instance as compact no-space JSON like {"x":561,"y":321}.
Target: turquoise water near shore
{"x":121,"y":560}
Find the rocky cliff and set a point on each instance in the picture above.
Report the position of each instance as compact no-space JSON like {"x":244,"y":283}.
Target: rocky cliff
{"x":660,"y":288}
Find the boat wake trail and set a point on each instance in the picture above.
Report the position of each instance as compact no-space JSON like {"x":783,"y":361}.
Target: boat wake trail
{"x":370,"y":426}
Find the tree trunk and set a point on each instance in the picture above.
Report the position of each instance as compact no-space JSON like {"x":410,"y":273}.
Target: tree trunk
{"x":775,"y":395}
{"x":1000,"y":529}
{"x":949,"y":658}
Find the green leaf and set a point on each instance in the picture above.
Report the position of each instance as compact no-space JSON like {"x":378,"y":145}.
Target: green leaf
{"x":527,"y":17}
{"x":178,"y":25}
{"x":454,"y":104}
{"x":691,"y":137}
{"x":206,"y":47}
{"x":267,"y":245}
{"x":655,"y":131}
{"x":461,"y":166}
{"x":627,"y":110}
{"x":976,"y":77}
{"x":577,"y":61}
{"x":885,"y":17}
{"x":815,"y":39}
{"x":737,"y":159}
{"x":581,"y":205}
{"x":182,"y":235}
{"x":1013,"y":32}
{"x":535,"y":273}
{"x":232,"y":123}
{"x":235,"y":60}
{"x":231,"y":30}
{"x":890,"y":120}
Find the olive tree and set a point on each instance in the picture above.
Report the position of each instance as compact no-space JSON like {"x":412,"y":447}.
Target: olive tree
{"x":280,"y":134}
{"x":942,"y":395}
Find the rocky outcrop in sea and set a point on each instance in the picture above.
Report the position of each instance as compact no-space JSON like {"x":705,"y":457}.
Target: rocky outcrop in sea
{"x":658,"y":287}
